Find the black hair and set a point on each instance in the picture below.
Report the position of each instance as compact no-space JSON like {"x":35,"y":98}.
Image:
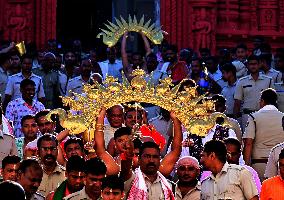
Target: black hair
{"x":10,"y":159}
{"x":267,"y":57}
{"x":253,"y":57}
{"x":233,"y":141}
{"x":26,"y":56}
{"x":148,"y":145}
{"x":213,"y":58}
{"x":74,"y":140}
{"x":26,"y":117}
{"x":186,"y":83}
{"x":41,"y":113}
{"x":218,"y":99}
{"x":12,"y":190}
{"x":200,"y":61}
{"x":24,"y":83}
{"x":137,"y":143}
{"x":229,"y":67}
{"x":152,"y":55}
{"x":4,"y":57}
{"x":218,"y":147}
{"x":25,"y":164}
{"x":122,"y":131}
{"x":96,"y":166}
{"x":241,"y":46}
{"x":113,"y":182}
{"x":46,"y":137}
{"x":172,"y":48}
{"x":130,"y":109}
{"x":269,"y":96}
{"x":76,"y":163}
{"x":205,"y":50}
{"x":281,"y":155}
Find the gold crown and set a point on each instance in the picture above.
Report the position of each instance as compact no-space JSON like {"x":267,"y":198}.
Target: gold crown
{"x":194,"y":112}
{"x":114,"y":32}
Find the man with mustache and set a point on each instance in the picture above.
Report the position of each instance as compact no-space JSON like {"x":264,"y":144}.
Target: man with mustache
{"x":53,"y":173}
{"x":188,"y":186}
{"x":30,"y":177}
{"x":10,"y":166}
{"x":149,"y":180}
{"x":75,"y":173}
{"x":95,"y":173}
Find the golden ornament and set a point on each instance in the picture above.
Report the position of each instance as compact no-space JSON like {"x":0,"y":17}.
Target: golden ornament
{"x":192,"y":110}
{"x":115,"y":31}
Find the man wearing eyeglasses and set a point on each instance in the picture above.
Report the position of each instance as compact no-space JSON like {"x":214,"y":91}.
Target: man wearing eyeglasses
{"x":188,"y":187}
{"x":53,"y":173}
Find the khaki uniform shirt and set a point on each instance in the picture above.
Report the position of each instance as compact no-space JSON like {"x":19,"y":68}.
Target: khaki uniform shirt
{"x":266,"y":129}
{"x":228,"y":92}
{"x":233,"y":182}
{"x":279,"y":88}
{"x":51,"y":182}
{"x":51,"y":86}
{"x":274,"y":74}
{"x":7,"y":145}
{"x":236,"y":127}
{"x":248,"y":90}
{"x":193,"y":194}
{"x":80,"y":195}
{"x":272,"y":164}
{"x":155,"y":191}
{"x":37,"y":196}
{"x":3,"y":82}
{"x":75,"y":85}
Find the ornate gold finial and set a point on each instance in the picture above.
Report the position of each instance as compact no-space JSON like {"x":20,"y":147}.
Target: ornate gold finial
{"x":190,"y":109}
{"x":114,"y":32}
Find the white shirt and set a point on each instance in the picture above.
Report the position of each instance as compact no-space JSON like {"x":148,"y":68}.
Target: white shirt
{"x":13,"y":86}
{"x":211,"y":132}
{"x":110,"y":69}
{"x":216,"y":75}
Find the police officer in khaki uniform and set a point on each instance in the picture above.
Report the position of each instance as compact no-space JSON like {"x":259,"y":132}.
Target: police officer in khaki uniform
{"x":30,"y":169}
{"x":279,"y":87}
{"x":7,"y":143}
{"x":80,"y":195}
{"x":272,"y":164}
{"x":265,"y":65}
{"x":248,"y":90}
{"x":76,"y":84}
{"x":265,"y":129}
{"x":227,"y":181}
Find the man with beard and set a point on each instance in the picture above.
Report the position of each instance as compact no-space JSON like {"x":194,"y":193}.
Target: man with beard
{"x":75,"y":173}
{"x":53,"y":173}
{"x":188,"y":186}
{"x":111,"y":66}
{"x":95,"y":173}
{"x":10,"y":166}
{"x":30,"y":177}
{"x":50,"y":79}
{"x":76,"y":84}
{"x":149,"y":180}
{"x":13,"y":89}
{"x":70,"y":62}
{"x":227,"y":181}
{"x":172,"y":66}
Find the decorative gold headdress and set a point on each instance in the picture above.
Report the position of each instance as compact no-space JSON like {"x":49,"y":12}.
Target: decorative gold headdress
{"x":114,"y":32}
{"x":192,"y":110}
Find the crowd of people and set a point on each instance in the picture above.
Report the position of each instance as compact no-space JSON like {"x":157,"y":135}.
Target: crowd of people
{"x":143,"y":152}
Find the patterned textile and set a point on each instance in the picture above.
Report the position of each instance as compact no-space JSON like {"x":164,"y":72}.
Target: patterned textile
{"x":17,"y":109}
